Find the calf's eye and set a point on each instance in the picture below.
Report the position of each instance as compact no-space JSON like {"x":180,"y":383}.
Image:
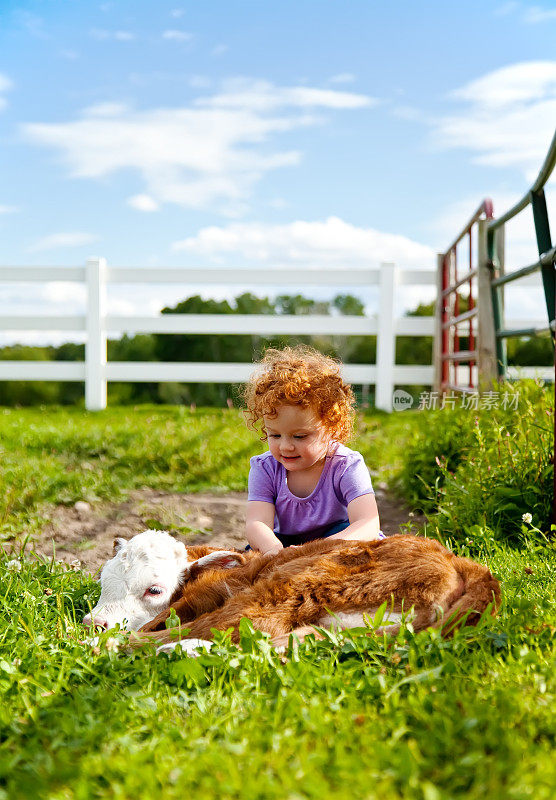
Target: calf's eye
{"x":154,"y":590}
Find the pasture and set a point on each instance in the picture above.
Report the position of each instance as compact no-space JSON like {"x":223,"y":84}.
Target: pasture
{"x":471,"y":717}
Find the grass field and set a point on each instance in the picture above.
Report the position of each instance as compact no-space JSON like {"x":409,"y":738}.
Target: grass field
{"x":350,"y":717}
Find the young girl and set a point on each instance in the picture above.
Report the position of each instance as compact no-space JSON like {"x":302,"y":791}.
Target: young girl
{"x":308,"y":485}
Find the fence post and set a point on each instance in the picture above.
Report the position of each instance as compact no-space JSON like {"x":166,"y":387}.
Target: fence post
{"x":486,"y":345}
{"x":386,"y":338}
{"x":437,"y":343}
{"x":500,"y":259}
{"x":95,"y":348}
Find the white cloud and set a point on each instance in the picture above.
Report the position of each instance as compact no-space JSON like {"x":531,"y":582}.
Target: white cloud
{"x":409,"y":113}
{"x":32,"y":23}
{"x":103,"y":35}
{"x":508,"y":119}
{"x":342,"y":77}
{"x":59,"y":240}
{"x":8,"y":209}
{"x":200,"y":82}
{"x":278,"y":202}
{"x":523,"y":82}
{"x":326,"y":244}
{"x":263,"y":96}
{"x":536,"y":14}
{"x":5,"y":86}
{"x":5,"y":83}
{"x":142,"y":202}
{"x":62,"y":295}
{"x":531,"y":15}
{"x":176,"y":13}
{"x":332,"y":242}
{"x":177,"y":36}
{"x":106,"y":110}
{"x":219,"y":50}
{"x":210,"y":155}
{"x":506,"y":8}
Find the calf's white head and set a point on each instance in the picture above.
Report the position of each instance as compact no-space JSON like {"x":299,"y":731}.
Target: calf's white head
{"x":140,"y":579}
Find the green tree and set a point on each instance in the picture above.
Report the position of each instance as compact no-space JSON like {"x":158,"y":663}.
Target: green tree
{"x":533,"y":351}
{"x":416,"y":349}
{"x":249,"y":303}
{"x":28,"y":393}
{"x":296,"y":304}
{"x":203,"y":347}
{"x":349,"y":305}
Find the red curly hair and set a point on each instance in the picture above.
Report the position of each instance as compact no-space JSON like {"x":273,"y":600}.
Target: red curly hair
{"x":301,"y":376}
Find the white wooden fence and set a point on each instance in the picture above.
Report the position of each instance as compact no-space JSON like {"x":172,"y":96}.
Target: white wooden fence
{"x":95,"y":371}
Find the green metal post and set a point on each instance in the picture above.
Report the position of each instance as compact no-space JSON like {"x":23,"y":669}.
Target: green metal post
{"x":544,"y":243}
{"x":501,"y":357}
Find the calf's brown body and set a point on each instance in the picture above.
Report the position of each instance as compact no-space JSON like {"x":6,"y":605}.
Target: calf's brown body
{"x":299,"y":587}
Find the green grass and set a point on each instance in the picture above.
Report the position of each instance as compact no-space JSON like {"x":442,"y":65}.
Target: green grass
{"x":429,"y":719}
{"x":59,"y":456}
{"x":484,"y":467}
{"x":63,"y":455}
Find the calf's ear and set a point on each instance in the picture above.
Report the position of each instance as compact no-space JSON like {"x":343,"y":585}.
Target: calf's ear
{"x":180,"y":551}
{"x":221,"y":559}
{"x":118,"y":544}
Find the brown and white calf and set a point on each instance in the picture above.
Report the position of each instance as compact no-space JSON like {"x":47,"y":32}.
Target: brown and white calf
{"x":320,"y":584}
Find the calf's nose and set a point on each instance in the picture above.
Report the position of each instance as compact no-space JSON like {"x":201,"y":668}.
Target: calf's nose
{"x":95,"y":622}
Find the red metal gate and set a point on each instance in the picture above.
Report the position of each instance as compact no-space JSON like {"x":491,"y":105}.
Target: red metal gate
{"x":451,"y":355}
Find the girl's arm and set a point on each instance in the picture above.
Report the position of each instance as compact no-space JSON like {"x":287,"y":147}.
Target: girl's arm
{"x":259,"y":532}
{"x":364,"y":523}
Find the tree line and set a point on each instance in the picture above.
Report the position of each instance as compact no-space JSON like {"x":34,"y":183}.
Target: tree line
{"x":229,"y":348}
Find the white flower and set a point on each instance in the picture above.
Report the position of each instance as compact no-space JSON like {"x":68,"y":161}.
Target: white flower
{"x":527,"y":518}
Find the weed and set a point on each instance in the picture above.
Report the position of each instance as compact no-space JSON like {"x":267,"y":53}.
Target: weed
{"x":484,"y":467}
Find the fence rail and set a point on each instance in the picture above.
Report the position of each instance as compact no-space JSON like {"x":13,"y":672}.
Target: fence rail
{"x":262,"y":324}
{"x":97,"y":276}
{"x":96,"y":323}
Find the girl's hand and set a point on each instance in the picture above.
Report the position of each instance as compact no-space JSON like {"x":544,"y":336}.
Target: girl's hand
{"x":364,"y":524}
{"x":258,"y":530}
{"x":273,"y":551}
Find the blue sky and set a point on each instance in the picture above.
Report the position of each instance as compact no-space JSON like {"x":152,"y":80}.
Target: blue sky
{"x":240,"y":133}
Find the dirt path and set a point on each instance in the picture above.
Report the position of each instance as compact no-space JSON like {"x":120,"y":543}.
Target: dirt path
{"x":85,"y":533}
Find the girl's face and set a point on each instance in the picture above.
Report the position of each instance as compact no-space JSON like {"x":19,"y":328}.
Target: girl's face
{"x":296,"y":437}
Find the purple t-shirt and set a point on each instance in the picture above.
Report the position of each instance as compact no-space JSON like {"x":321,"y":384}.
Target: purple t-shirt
{"x":343,"y":478}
